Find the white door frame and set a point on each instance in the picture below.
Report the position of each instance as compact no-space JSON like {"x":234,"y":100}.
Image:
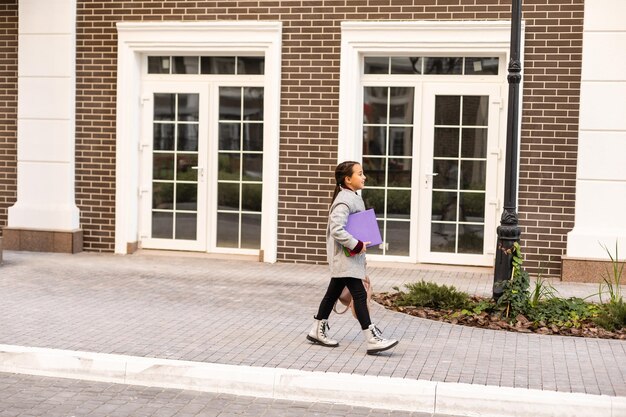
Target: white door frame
{"x":137,"y":39}
{"x":146,"y":155}
{"x":416,"y":38}
{"x":495,"y":170}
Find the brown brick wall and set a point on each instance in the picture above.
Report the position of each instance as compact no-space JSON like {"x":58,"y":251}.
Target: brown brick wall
{"x":309,"y":109}
{"x":8,"y":107}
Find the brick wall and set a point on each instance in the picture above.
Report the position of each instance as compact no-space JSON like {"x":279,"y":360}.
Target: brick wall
{"x":8,"y":107}
{"x":309,"y":107}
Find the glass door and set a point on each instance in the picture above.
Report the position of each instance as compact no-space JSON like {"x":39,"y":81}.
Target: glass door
{"x":458,"y":173}
{"x":173,"y":152}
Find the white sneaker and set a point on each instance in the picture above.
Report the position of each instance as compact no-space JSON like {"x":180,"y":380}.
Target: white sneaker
{"x":318,"y":334}
{"x":375,"y":341}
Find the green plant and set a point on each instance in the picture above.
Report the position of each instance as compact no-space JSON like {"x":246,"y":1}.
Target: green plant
{"x":515,"y":296}
{"x":612,"y":316}
{"x":542,"y":290}
{"x":433,"y":295}
{"x":613,"y":278}
{"x":570,"y":312}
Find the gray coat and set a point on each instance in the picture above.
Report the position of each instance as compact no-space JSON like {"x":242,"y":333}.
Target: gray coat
{"x":346,"y":203}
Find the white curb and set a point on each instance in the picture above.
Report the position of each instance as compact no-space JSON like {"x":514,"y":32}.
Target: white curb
{"x":295,"y":385}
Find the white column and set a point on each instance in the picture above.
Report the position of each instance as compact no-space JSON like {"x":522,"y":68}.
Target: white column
{"x":600,"y":216}
{"x":46,"y":117}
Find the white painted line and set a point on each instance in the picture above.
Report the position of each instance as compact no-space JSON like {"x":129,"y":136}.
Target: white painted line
{"x":295,"y":385}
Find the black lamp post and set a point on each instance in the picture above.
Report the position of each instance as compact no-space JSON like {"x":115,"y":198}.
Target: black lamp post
{"x":509,"y":231}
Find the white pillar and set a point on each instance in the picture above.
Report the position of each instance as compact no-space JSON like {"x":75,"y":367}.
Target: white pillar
{"x":601,"y":174}
{"x":46,"y":117}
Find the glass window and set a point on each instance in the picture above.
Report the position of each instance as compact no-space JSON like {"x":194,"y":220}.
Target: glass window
{"x":240,"y":172}
{"x":174,"y":166}
{"x":431,"y":65}
{"x":388,"y":162}
{"x":460,"y":165}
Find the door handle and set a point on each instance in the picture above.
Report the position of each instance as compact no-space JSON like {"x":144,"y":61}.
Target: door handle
{"x":429,"y":176}
{"x":200,"y":172}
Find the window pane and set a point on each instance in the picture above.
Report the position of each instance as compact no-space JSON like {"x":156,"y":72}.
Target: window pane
{"x":187,"y":137}
{"x":481,"y":66}
{"x":377,"y":250}
{"x":444,"y":206}
{"x":162,"y":195}
{"x":163,"y":166}
{"x":475,"y":110}
{"x":376,"y":65}
{"x":406,"y":65}
{"x":164,"y":106}
{"x":447,"y":110}
{"x":375,"y":199}
{"x":186,"y":226}
{"x":229,"y":166}
{"x":186,"y":167}
{"x":184,"y":65}
{"x":375,"y":105}
{"x":471,"y":238}
{"x":374,"y":170}
{"x":472,"y":207}
{"x":374,"y":140}
{"x":252,"y":167}
{"x":228,"y":230}
{"x":250,"y":65}
{"x":253,"y":103}
{"x":188,"y":109}
{"x":446,"y":142}
{"x":230,"y":103}
{"x":253,"y":136}
{"x":163,"y":137}
{"x":158,"y":65}
{"x":397,"y":238}
{"x":229,"y":136}
{"x":228,"y":196}
{"x":447,"y":174}
{"x":186,"y":196}
{"x":251,"y":231}
{"x":474,"y":143}
{"x":442,"y":237}
{"x":162,"y":225}
{"x":399,"y":204}
{"x":401,"y":141}
{"x":443,"y":65}
{"x":217,"y":65}
{"x":473,"y":175}
{"x":401,"y":105}
{"x":399,"y":172}
{"x":251,"y":197}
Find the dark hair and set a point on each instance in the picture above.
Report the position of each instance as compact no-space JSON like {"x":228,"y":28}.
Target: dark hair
{"x":343,"y":170}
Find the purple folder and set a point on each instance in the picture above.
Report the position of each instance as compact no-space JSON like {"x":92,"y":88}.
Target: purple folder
{"x":363,"y":226}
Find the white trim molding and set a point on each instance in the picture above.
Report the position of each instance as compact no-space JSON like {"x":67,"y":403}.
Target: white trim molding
{"x":402,"y":38}
{"x":137,"y":39}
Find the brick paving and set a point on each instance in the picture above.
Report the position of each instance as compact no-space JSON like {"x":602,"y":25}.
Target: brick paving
{"x":27,"y":396}
{"x":248,"y":313}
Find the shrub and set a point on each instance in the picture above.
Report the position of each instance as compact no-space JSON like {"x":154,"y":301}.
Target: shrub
{"x":612,"y":316}
{"x":433,"y":295}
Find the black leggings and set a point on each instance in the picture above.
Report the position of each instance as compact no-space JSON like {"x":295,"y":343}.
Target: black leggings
{"x":359,"y":295}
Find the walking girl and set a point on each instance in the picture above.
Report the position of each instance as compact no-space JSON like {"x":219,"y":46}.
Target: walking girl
{"x":346,"y":258}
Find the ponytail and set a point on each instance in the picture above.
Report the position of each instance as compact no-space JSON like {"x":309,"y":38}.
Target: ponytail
{"x":342,"y":171}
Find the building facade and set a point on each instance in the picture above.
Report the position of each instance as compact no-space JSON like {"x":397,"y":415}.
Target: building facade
{"x":214,"y":126}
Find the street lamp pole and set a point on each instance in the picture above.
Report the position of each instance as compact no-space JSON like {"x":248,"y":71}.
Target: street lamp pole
{"x":509,"y":231}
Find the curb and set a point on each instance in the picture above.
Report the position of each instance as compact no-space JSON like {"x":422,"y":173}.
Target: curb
{"x":296,"y":385}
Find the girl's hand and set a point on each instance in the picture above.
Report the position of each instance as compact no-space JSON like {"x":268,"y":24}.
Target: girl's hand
{"x":365,"y":247}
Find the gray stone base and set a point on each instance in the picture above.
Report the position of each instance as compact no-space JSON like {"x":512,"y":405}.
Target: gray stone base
{"x":43,"y":240}
{"x":0,"y":250}
{"x":586,"y":270}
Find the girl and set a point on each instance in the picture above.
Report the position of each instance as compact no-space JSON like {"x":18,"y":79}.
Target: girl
{"x":346,"y":258}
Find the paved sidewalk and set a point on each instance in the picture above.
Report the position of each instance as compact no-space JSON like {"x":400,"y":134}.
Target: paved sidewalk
{"x":246,"y":313}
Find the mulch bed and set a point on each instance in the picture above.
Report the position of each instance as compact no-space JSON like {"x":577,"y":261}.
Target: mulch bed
{"x":494,"y":322}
